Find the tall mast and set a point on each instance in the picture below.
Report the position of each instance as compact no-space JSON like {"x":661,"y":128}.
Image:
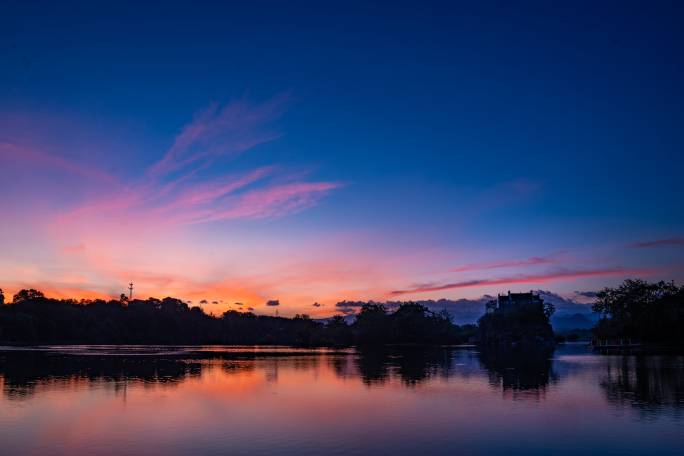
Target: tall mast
{"x":130,"y":295}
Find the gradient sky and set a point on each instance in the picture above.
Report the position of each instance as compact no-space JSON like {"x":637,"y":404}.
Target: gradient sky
{"x":314,"y":152}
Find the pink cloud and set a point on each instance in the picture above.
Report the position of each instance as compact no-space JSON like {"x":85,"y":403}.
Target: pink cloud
{"x":196,"y":194}
{"x":548,"y":277}
{"x":74,"y":249}
{"x":277,"y":201}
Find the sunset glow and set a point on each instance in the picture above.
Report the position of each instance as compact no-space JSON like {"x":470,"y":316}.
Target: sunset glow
{"x":233,"y":186}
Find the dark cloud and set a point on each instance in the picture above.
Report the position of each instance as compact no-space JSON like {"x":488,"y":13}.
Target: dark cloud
{"x":204,"y":301}
{"x":661,"y":243}
{"x":464,"y":311}
{"x":188,"y":302}
{"x":563,"y":305}
{"x":250,"y":309}
{"x":273,"y":302}
{"x":315,"y":304}
{"x":350,"y":304}
{"x":214,"y":302}
{"x":467,"y":311}
{"x":238,"y":303}
{"x":586,"y":294}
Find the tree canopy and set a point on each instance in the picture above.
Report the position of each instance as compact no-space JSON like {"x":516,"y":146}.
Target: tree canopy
{"x":643,"y":311}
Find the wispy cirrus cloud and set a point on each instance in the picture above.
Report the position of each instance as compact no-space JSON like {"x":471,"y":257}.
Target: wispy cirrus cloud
{"x":185,"y":186}
{"x":532,"y":261}
{"x":559,"y":257}
{"x":97,"y":230}
{"x":273,"y":201}
{"x":678,"y":241}
{"x":543,"y":277}
{"x":40,"y":158}
{"x":221,"y":129}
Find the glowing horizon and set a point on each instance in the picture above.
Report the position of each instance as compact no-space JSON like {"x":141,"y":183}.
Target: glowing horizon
{"x":193,"y":170}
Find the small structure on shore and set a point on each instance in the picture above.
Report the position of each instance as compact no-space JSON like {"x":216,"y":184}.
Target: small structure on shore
{"x":515,"y":300}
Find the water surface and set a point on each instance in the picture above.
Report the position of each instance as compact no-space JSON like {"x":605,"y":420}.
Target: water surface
{"x":267,"y":400}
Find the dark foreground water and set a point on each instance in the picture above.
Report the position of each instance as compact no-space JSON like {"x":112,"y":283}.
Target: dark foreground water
{"x":230,"y":400}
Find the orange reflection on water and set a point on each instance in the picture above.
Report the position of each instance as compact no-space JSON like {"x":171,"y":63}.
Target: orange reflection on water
{"x":212,"y":401}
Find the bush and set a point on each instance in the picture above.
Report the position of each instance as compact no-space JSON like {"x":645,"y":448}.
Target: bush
{"x":560,"y":338}
{"x":573,"y":337}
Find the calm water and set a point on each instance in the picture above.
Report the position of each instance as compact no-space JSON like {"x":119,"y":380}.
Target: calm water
{"x":218,"y":400}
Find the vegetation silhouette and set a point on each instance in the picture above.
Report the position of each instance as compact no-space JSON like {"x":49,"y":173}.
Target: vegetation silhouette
{"x":32,"y":318}
{"x":641,"y":311}
{"x":524,"y":323}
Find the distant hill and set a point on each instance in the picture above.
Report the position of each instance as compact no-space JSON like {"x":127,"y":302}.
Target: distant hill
{"x":575,"y":321}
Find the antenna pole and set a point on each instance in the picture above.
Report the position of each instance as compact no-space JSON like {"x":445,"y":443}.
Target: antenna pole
{"x":130,"y":295}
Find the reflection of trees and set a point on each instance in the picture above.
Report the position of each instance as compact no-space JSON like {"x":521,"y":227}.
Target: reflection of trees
{"x":651,"y":384}
{"x":373,"y":365}
{"x":24,"y":370}
{"x":519,"y":368}
{"x":342,"y":365}
{"x":412,"y":364}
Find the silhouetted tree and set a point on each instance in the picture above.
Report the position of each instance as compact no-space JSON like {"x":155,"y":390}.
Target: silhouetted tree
{"x":527,"y":322}
{"x":372,"y":325}
{"x":339,"y":331}
{"x":641,"y":310}
{"x":412,"y":323}
{"x":26,"y":295}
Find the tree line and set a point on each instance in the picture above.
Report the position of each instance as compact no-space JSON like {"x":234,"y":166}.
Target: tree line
{"x":33,"y":318}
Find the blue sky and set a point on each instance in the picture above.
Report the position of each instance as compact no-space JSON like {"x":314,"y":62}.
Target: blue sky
{"x":396,"y":142}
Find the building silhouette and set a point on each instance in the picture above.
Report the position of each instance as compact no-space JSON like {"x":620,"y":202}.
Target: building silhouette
{"x":514,"y":300}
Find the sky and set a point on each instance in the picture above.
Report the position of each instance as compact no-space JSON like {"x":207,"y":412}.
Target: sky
{"x":316,"y":153}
